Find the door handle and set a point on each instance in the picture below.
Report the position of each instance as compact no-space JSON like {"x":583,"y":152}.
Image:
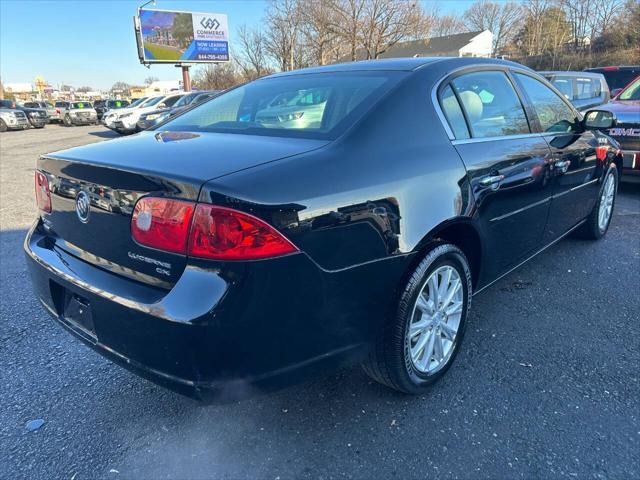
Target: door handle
{"x":490,"y":180}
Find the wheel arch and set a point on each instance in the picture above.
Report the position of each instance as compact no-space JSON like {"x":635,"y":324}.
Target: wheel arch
{"x":462,"y":233}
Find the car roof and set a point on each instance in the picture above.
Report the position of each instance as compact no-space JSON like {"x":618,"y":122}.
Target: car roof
{"x":571,"y":73}
{"x":398,"y":64}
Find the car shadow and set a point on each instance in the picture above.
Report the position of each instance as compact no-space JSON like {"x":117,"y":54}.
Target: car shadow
{"x":105,"y":134}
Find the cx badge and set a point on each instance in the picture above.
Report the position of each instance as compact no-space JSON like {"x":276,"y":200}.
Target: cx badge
{"x":83,"y":206}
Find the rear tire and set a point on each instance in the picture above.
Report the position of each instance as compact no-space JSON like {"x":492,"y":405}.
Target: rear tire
{"x":598,"y":221}
{"x":3,"y":126}
{"x":417,"y":346}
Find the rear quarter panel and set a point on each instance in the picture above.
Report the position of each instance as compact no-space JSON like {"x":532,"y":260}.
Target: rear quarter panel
{"x":373,"y":194}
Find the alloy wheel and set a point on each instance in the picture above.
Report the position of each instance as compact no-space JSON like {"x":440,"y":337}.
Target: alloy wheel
{"x":433,"y":328}
{"x":606,"y":202}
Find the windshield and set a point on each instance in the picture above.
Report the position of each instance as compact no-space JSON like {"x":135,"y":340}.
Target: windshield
{"x":61,"y":104}
{"x":632,"y":92}
{"x":311,"y":106}
{"x":117,"y":103}
{"x":152,"y":101}
{"x":186,"y":100}
{"x":75,"y":105}
{"x":139,"y":101}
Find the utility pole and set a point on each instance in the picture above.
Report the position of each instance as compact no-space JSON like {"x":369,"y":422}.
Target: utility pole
{"x":186,"y":78}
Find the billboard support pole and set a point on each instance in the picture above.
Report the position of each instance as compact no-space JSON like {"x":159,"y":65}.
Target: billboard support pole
{"x":186,"y":78}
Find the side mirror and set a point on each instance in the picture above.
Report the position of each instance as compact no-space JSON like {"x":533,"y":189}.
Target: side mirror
{"x":599,"y":120}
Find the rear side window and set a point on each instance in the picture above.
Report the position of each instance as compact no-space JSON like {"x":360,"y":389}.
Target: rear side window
{"x":491,"y":104}
{"x":453,"y":112}
{"x":587,"y":88}
{"x":565,"y":85}
{"x":553,"y":113}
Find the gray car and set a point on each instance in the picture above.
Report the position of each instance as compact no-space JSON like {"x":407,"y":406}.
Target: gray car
{"x":584,"y":89}
{"x":52,"y":112}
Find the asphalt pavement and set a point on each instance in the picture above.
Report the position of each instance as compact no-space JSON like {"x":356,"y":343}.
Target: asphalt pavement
{"x":546,"y":384}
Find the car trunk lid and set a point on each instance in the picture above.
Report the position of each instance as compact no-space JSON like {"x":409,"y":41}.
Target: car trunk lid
{"x":112,"y":176}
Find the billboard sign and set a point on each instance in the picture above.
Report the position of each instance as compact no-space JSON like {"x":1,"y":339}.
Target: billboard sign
{"x":182,"y":37}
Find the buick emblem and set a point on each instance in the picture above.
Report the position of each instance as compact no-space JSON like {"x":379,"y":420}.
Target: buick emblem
{"x":83,"y":204}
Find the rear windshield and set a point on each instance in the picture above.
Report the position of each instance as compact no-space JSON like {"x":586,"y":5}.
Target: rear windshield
{"x":81,"y":105}
{"x":310,"y":106}
{"x":31,"y":105}
{"x":61,"y":104}
{"x":619,"y":78}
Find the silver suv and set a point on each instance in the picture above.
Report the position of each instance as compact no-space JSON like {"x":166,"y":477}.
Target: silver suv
{"x":11,"y":119}
{"x":79,"y":113}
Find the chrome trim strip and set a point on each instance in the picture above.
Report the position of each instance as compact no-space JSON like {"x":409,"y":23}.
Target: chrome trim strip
{"x":558,"y":195}
{"x":520,"y":210}
{"x":529,"y":258}
{"x":497,"y":138}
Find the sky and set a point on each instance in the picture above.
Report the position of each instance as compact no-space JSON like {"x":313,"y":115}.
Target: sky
{"x":91,"y":42}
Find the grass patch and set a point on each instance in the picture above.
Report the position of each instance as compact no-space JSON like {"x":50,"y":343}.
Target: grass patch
{"x":163,"y":53}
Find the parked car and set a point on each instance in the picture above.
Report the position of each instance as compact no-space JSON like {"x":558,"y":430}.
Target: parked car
{"x":625,"y":109}
{"x":153,"y":118}
{"x":52,"y":112}
{"x":60,"y":107}
{"x":126,"y":120}
{"x":584,"y":89}
{"x":617,"y":77}
{"x":37,"y":117}
{"x":79,"y":113}
{"x":238,"y":256}
{"x":109,"y":118}
{"x":12,"y":119}
{"x":102,"y":106}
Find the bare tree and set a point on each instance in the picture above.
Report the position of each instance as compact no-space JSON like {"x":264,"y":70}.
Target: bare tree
{"x":321,"y":40}
{"x":387,"y":22}
{"x":444,"y":25}
{"x":282,"y":35}
{"x":502,"y":19}
{"x":252,"y":58}
{"x":150,"y":79}
{"x":349,"y":19}
{"x":216,"y":77}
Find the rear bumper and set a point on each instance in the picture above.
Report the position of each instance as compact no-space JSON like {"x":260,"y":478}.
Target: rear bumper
{"x":219,"y":334}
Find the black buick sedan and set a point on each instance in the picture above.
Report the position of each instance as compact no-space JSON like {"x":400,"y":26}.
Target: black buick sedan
{"x":315,"y":218}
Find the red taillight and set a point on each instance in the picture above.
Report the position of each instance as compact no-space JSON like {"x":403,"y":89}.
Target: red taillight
{"x":162,"y":223}
{"x":610,"y":69}
{"x":43,"y":195}
{"x":601,"y":153}
{"x":205,"y":231}
{"x":225,"y":234}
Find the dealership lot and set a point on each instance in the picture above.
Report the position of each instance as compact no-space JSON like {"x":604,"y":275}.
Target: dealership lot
{"x":546,"y":384}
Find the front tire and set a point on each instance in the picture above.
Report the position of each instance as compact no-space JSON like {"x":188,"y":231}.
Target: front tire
{"x":67,"y":121}
{"x":3,"y":126}
{"x":418,"y":345}
{"x":599,"y":219}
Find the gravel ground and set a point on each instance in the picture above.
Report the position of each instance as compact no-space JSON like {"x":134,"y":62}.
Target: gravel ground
{"x":546,"y":385}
